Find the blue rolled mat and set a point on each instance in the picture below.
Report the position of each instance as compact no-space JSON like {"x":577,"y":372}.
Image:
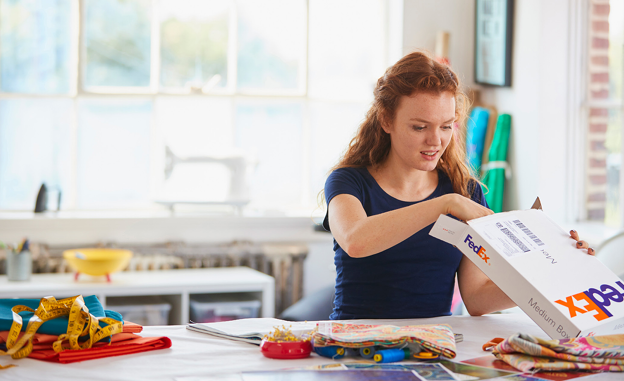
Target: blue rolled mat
{"x":475,"y":137}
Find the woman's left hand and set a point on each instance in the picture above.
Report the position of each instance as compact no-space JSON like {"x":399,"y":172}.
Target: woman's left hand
{"x":581,"y":244}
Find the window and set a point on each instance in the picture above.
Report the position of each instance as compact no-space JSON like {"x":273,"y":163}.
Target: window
{"x":112,"y":101}
{"x":604,"y":184}
{"x":615,"y":122}
{"x":36,"y":46}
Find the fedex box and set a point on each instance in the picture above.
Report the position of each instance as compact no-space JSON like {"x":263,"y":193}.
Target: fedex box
{"x":565,"y":291}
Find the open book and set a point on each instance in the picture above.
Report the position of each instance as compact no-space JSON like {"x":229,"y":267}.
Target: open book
{"x":250,"y":330}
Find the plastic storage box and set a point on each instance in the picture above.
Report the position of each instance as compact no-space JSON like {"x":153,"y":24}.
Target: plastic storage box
{"x":206,"y":310}
{"x":145,"y":314}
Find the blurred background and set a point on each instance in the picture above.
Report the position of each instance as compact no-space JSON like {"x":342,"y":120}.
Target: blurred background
{"x":211,"y":121}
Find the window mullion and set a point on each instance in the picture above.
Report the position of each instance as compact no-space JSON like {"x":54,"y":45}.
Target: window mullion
{"x":232,"y":70}
{"x":155,"y":48}
{"x":81,"y":51}
{"x":306,"y":59}
{"x":75,"y":47}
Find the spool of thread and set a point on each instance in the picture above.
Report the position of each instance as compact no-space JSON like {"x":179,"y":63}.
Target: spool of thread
{"x":424,"y":355}
{"x":332,"y":352}
{"x":367,"y":352}
{"x":391,"y":355}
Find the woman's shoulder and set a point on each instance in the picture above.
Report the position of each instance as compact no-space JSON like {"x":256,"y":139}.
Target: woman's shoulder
{"x":476,"y":192}
{"x":351,"y":180}
{"x":350,"y":170}
{"x":352,"y":173}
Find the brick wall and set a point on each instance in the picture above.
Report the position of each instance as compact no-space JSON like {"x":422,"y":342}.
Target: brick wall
{"x":598,"y":89}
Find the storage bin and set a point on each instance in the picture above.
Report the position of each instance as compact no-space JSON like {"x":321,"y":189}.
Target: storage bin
{"x":202,"y":311}
{"x":144,"y":314}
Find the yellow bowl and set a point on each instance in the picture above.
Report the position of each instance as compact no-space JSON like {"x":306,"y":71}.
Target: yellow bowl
{"x":97,"y":262}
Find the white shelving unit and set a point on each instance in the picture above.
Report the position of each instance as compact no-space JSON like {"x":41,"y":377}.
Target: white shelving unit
{"x":173,"y":286}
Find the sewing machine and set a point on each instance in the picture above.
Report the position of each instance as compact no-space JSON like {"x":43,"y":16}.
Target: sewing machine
{"x":239,"y":166}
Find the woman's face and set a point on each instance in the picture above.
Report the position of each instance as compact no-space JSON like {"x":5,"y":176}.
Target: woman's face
{"x":422,"y":129}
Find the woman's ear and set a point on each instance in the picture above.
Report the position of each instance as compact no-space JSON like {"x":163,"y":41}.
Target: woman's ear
{"x":385,"y":124}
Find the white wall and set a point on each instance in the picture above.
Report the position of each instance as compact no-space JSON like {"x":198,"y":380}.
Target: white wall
{"x":423,"y":19}
{"x":537,"y":100}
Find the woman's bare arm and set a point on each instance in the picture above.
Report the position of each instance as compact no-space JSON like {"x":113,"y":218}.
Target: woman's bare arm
{"x":479,"y":294}
{"x":361,"y":236}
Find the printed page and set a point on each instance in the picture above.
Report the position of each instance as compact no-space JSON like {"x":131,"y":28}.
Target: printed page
{"x":253,"y":327}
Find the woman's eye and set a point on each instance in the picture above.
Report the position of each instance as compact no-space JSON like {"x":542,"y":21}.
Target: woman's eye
{"x":447,"y":127}
{"x":418,"y":128}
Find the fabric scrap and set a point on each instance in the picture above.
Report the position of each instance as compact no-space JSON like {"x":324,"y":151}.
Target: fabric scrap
{"x":531,"y":354}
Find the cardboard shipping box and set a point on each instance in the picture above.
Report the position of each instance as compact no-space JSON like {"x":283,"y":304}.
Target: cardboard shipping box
{"x":565,"y":291}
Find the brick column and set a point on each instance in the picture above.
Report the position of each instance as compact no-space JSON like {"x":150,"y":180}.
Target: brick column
{"x":598,"y":89}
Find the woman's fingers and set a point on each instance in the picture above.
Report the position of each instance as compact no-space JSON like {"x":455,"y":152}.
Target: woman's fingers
{"x":585,"y":245}
{"x":581,"y":244}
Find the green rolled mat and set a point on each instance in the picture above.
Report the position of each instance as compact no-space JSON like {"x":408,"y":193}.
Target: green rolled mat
{"x":494,"y":179}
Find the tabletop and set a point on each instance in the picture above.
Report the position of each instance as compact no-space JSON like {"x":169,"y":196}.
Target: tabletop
{"x":196,"y":356}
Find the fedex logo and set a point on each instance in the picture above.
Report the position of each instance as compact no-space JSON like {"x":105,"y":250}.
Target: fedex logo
{"x":480,"y":250}
{"x":595,"y":300}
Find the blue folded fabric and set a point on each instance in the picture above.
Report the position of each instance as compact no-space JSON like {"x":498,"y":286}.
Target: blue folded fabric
{"x":51,"y":327}
{"x":113,"y":315}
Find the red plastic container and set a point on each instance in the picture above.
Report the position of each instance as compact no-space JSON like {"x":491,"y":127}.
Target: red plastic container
{"x":286,"y":349}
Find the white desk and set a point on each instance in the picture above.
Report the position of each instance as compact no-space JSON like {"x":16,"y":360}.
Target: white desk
{"x":195,"y":356}
{"x":174,"y":286}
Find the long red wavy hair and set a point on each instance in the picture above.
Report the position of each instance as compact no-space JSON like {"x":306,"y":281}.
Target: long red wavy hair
{"x":416,"y":72}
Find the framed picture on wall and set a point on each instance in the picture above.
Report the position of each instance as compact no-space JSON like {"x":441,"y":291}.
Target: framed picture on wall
{"x":493,"y":40}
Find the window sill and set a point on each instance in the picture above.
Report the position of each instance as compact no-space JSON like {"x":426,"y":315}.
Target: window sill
{"x":160,"y":213}
{"x":89,"y":227}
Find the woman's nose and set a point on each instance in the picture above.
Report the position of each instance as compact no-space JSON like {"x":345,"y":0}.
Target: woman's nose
{"x":434,"y":138}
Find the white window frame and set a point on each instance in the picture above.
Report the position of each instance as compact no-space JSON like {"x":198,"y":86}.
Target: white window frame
{"x":393,"y":42}
{"x":580,"y":105}
{"x":156,"y":89}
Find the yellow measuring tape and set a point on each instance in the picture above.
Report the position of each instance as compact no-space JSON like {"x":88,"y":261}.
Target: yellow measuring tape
{"x":81,"y":323}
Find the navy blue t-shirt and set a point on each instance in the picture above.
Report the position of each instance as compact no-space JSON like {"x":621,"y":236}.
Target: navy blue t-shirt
{"x":413,"y":279}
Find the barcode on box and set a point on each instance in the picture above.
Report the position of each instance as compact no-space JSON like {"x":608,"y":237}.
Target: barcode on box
{"x":512,"y":237}
{"x":529,"y":233}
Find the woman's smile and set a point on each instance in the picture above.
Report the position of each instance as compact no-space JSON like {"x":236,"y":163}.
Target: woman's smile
{"x":429,"y":155}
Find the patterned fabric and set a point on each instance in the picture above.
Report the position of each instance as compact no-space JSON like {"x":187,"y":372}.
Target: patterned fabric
{"x":437,"y":338}
{"x":595,"y":353}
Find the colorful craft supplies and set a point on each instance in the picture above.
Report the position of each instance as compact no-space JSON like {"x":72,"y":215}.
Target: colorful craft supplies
{"x":530,"y":354}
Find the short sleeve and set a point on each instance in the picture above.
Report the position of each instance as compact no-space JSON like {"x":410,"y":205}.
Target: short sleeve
{"x":342,"y":181}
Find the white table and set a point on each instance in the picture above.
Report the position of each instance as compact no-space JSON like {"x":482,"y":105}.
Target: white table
{"x":174,"y":286}
{"x":196,"y":356}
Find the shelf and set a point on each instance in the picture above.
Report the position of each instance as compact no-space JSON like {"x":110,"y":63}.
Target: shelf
{"x":174,"y":286}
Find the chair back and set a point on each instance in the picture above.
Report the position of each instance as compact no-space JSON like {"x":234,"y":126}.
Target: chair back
{"x":611,"y":254}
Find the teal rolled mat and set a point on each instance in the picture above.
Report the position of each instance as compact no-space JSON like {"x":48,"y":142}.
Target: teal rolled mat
{"x":494,"y":179}
{"x":51,"y":327}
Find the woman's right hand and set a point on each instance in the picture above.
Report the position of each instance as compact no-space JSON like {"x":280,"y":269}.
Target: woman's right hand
{"x":464,"y":208}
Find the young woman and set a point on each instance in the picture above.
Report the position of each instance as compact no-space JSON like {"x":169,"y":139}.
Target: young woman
{"x":404,"y":168}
